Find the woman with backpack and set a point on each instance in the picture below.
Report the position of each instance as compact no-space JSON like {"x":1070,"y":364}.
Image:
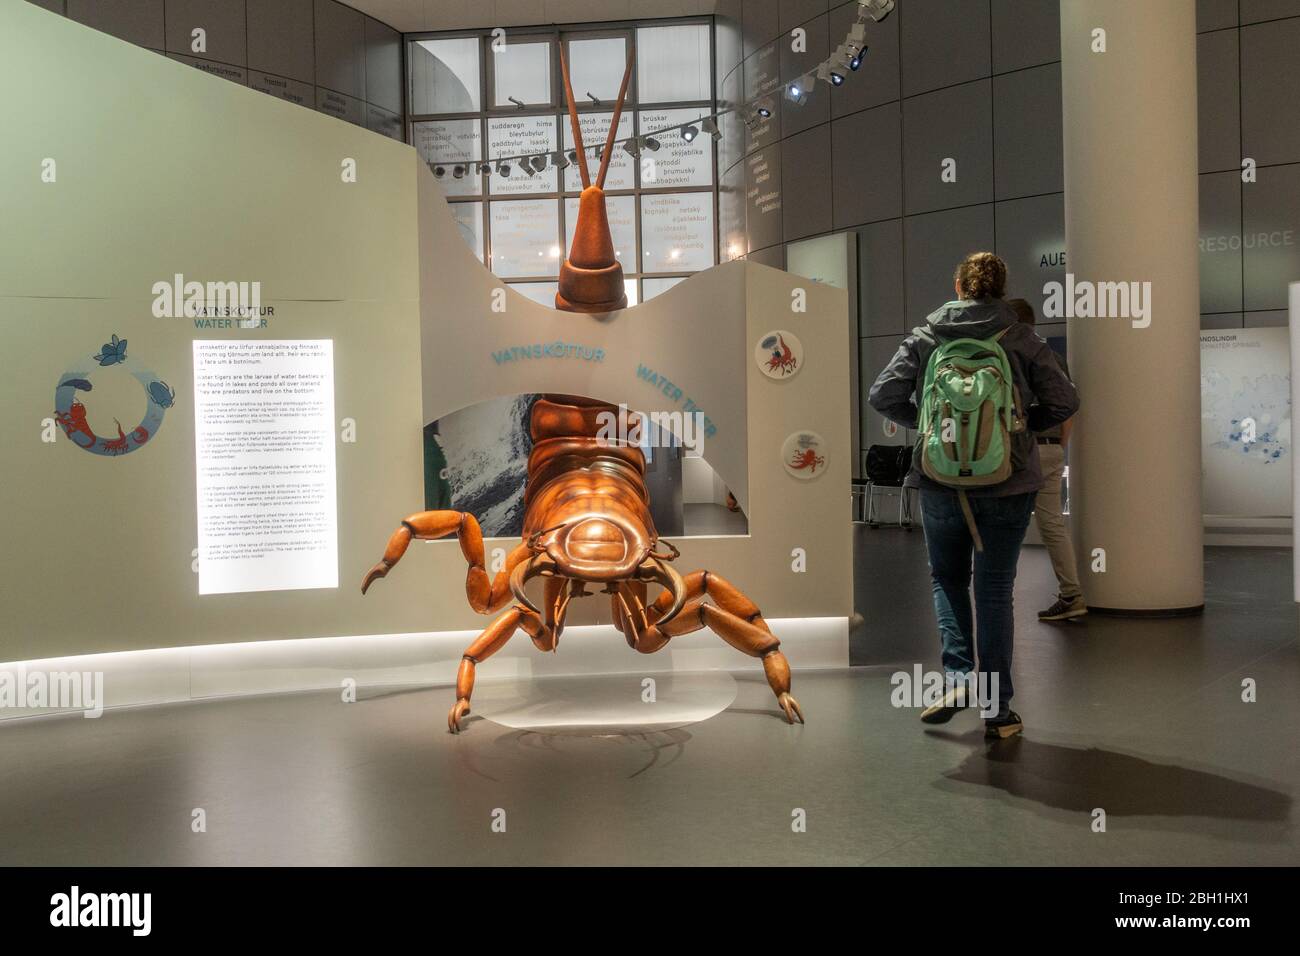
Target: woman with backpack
{"x":964,"y":381}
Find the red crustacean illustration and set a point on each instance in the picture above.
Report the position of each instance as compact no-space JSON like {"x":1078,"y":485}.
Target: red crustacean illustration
{"x":807,"y":459}
{"x":75,"y":421}
{"x":783,"y":358}
{"x":116,"y":446}
{"x":587,"y":520}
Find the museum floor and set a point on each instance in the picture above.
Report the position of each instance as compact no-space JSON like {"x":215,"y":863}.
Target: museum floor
{"x":1140,"y":718}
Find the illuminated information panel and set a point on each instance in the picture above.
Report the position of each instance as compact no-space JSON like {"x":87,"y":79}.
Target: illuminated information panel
{"x":264,"y":465}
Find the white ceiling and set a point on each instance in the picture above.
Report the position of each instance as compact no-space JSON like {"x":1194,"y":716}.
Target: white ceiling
{"x":413,"y":16}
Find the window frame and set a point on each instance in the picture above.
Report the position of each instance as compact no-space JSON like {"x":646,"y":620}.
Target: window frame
{"x":559,"y":37}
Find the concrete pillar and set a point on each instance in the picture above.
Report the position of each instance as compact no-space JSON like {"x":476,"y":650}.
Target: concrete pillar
{"x":1128,"y":92}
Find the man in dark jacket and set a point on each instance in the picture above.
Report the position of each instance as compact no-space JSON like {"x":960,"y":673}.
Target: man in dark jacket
{"x":1001,"y":512}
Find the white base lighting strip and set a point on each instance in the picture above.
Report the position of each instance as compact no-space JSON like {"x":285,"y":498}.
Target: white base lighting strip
{"x":173,"y":675}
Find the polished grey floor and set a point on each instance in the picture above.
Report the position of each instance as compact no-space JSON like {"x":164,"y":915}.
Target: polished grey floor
{"x":1142,"y":719}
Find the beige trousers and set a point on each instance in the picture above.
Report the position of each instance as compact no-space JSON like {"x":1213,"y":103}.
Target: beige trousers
{"x":1051,"y":523}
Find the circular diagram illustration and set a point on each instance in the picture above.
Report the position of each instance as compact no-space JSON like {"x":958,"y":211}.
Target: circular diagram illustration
{"x":70,"y":410}
{"x":779,"y":354}
{"x":804,"y":455}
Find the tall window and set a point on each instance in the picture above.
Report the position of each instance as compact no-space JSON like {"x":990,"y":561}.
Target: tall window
{"x":478,"y":99}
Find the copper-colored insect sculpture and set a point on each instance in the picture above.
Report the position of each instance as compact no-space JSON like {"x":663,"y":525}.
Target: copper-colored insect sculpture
{"x":587,"y":516}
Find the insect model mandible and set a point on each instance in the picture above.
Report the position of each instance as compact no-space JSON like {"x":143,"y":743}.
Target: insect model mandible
{"x":587,"y":521}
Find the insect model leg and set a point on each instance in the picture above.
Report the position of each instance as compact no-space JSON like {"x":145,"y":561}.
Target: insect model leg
{"x":734,"y":618}
{"x":492,"y":639}
{"x":485,"y":595}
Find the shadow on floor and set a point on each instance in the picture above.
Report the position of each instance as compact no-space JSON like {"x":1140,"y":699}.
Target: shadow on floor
{"x":1082,"y":779}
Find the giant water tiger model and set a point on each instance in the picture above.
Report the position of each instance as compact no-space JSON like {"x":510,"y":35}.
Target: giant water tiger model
{"x":587,"y":521}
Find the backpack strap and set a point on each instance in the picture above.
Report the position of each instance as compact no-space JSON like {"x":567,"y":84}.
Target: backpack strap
{"x":970,"y":519}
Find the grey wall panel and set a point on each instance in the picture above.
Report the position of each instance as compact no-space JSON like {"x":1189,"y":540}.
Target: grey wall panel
{"x":1217,"y":101}
{"x":281,"y":87}
{"x":340,"y":49}
{"x":1270,"y":91}
{"x":381,"y":121}
{"x":1027,"y":147}
{"x":806,"y":184}
{"x":1215,"y":14}
{"x":1220,"y":242}
{"x":773,"y":256}
{"x":954,"y":123}
{"x":795,"y":118}
{"x":880,"y":278}
{"x":943,"y":42}
{"x":1271,"y":236}
{"x":763,"y":198}
{"x":760,"y":23}
{"x":55,"y":6}
{"x":873,"y":355}
{"x":1031,"y":239}
{"x":226,"y":71}
{"x":1222,"y":320}
{"x":1253,"y":11}
{"x":136,"y":21}
{"x":876,"y":80}
{"x":1258,"y":320}
{"x":221,"y":20}
{"x":280,"y":38}
{"x":383,"y":66}
{"x":1025,"y":33}
{"x":347,"y":108}
{"x":866,"y":166}
{"x":762,"y":72}
{"x":792,"y":13}
{"x":934,"y":244}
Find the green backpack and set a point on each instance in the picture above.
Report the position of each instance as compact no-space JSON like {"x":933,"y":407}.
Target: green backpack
{"x":969,"y":410}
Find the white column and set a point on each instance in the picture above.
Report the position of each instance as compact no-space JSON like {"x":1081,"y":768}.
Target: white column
{"x":1295,"y":468}
{"x":1128,"y":91}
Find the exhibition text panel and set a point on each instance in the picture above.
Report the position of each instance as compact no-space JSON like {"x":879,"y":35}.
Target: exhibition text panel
{"x":265,"y":471}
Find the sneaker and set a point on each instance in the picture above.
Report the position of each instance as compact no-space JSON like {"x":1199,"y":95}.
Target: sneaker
{"x":946,"y":708}
{"x":999,"y":728}
{"x":1064,"y":610}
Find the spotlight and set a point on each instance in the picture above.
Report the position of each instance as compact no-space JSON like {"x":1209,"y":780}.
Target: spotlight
{"x":559,"y":160}
{"x":877,"y":9}
{"x":633,"y":147}
{"x":527,"y":167}
{"x":856,"y":60}
{"x":503,"y":169}
{"x":764,"y":112}
{"x":539,"y":163}
{"x":797,"y":92}
{"x":439,"y":171}
{"x":710,"y":126}
{"x":458,"y":171}
{"x":485,"y":169}
{"x":837,"y":79}
{"x":651,"y":143}
{"x":689,"y":133}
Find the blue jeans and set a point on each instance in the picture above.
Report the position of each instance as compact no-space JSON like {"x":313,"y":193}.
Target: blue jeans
{"x":1001,"y":522}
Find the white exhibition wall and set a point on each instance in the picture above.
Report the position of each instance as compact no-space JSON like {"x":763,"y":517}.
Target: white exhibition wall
{"x":100,"y":551}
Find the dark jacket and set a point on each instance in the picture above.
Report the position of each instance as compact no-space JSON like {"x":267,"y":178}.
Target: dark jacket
{"x":1046,"y":392}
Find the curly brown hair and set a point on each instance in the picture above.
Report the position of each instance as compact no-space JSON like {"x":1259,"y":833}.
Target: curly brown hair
{"x":981,"y":275}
